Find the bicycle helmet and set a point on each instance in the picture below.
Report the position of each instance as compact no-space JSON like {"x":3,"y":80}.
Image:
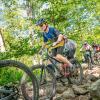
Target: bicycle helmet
{"x":40,"y":21}
{"x":85,"y":43}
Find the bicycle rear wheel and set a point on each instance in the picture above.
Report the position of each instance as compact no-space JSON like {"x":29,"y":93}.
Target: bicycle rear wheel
{"x":15,"y":64}
{"x":46,"y":82}
{"x":76,"y":72}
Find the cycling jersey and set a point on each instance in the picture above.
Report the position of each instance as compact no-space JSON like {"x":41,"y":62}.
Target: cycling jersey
{"x":87,"y":47}
{"x":52,"y":34}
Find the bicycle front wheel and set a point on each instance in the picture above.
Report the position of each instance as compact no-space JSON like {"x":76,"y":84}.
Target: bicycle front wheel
{"x":20,"y":67}
{"x":46,"y":82}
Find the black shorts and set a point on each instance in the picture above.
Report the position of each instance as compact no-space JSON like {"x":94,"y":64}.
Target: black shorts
{"x":58,"y":50}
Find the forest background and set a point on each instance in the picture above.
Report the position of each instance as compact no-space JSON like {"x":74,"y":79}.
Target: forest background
{"x":20,"y":39}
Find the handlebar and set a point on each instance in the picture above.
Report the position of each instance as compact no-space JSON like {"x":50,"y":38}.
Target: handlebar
{"x":48,"y":49}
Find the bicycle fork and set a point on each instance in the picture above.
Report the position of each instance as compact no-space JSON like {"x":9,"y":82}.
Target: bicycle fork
{"x":43,"y":75}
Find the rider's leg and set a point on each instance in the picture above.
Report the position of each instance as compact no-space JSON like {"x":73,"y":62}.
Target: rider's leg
{"x":85,"y":57}
{"x":61,"y":58}
{"x":64,"y":66}
{"x":65,"y":61}
{"x":91,"y":58}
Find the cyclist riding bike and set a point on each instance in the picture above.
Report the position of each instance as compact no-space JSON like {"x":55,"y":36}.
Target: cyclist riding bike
{"x":87,"y":50}
{"x":96,"y":47}
{"x":51,"y":34}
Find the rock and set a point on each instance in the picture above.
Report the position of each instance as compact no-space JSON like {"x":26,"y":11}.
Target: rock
{"x":95,"y":90}
{"x":85,"y":86}
{"x":58,"y":97}
{"x":91,"y":77}
{"x":84,"y":66}
{"x":81,"y":97}
{"x":68,"y":94}
{"x":96,"y":72}
{"x":60,"y":89}
{"x":78,"y":90}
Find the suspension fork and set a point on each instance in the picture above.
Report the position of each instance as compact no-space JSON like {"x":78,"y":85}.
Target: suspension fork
{"x":41,"y":76}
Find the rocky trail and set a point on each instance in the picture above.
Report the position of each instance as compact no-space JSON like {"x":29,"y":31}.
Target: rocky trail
{"x":89,"y":90}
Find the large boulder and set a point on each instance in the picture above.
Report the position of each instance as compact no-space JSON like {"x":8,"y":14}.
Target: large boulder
{"x":82,"y":97}
{"x":78,"y":90}
{"x":84,"y":66}
{"x":92,"y":75}
{"x":95,"y":90}
{"x":69,"y":94}
{"x":60,"y":89}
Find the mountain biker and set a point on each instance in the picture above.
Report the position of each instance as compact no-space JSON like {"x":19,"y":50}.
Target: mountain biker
{"x":96,"y":47}
{"x":87,"y":48}
{"x":50,"y":33}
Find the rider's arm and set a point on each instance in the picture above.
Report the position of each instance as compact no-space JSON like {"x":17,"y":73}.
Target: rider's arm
{"x":81,"y":49}
{"x":60,"y":38}
{"x":59,"y":35}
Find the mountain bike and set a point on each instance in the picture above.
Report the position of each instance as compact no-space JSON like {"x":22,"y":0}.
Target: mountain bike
{"x":48,"y":74}
{"x":20,"y":67}
{"x":73,"y":74}
{"x":46,"y":82}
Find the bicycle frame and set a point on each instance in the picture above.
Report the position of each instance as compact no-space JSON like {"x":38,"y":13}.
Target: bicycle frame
{"x":68,"y":71}
{"x":53,"y":60}
{"x":55,"y":65}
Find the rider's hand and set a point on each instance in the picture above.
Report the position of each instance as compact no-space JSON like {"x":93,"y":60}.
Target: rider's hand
{"x":80,"y":50}
{"x":55,"y":43}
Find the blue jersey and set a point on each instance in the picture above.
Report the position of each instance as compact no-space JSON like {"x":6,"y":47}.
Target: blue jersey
{"x":52,"y":34}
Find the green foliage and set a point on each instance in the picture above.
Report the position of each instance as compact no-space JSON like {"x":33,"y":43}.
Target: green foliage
{"x":9,"y":76}
{"x":77,"y":19}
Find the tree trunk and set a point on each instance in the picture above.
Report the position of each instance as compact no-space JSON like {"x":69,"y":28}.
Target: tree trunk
{"x":2,"y":44}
